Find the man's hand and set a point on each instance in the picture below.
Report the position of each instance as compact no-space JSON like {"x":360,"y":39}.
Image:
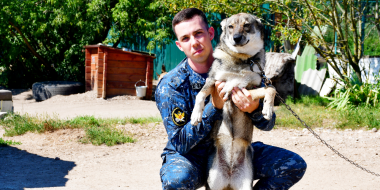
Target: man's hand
{"x":243,"y":100}
{"x":217,"y":97}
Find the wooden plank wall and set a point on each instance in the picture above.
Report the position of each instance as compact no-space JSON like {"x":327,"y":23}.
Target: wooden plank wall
{"x":90,"y":72}
{"x":99,"y":68}
{"x":123,"y":71}
{"x":149,"y":78}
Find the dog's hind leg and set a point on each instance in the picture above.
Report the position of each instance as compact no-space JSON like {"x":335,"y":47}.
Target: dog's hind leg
{"x":208,"y":88}
{"x":244,"y":176}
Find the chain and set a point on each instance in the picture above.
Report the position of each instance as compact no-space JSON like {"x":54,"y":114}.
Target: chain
{"x":323,"y":141}
{"x":268,"y":81}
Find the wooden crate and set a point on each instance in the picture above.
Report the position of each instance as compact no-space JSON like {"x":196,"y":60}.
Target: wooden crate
{"x":113,"y":72}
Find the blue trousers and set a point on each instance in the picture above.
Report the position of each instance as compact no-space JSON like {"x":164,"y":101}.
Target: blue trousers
{"x":274,"y":167}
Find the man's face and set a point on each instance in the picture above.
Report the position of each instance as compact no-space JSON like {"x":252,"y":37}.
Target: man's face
{"x":194,"y":39}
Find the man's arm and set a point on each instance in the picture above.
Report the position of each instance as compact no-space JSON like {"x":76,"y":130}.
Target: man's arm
{"x":181,"y":134}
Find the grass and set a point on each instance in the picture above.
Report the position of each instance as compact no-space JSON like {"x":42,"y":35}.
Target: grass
{"x":314,"y":111}
{"x":8,"y":142}
{"x":98,"y":131}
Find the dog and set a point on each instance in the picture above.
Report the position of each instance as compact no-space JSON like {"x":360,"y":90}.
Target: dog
{"x":163,"y":73}
{"x":230,"y":165}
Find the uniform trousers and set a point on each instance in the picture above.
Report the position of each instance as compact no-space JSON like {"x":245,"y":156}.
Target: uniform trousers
{"x":274,"y":168}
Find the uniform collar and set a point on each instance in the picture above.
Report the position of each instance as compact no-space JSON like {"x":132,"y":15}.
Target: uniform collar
{"x":196,"y":80}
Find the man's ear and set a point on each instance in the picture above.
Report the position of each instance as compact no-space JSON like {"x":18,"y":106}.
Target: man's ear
{"x":223,"y":23}
{"x":178,"y":45}
{"x":211,"y":32}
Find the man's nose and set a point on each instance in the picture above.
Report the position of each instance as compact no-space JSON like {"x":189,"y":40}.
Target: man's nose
{"x":194,"y":41}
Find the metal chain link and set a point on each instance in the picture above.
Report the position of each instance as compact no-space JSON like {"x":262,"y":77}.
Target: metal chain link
{"x":323,"y":141}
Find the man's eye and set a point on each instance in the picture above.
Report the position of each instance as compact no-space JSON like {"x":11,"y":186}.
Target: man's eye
{"x":185,"y":38}
{"x":230,"y":26}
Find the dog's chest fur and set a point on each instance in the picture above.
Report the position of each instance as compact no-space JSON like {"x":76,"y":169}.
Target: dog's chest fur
{"x":233,"y":70}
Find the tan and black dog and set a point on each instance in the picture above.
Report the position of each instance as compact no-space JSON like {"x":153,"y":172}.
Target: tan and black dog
{"x":230,"y":166}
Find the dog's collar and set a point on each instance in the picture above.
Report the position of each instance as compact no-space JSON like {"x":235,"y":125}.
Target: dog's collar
{"x":255,"y":60}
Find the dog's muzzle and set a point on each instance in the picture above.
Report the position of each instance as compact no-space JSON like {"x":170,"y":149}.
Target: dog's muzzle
{"x":238,"y":40}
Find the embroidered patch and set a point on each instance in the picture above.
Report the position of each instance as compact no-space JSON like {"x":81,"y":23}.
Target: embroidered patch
{"x":179,"y":117}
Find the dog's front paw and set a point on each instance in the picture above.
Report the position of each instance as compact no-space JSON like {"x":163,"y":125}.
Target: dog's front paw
{"x":267,"y":111}
{"x":226,"y":95}
{"x":196,"y":116}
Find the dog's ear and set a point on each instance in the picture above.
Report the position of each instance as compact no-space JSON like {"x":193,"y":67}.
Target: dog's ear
{"x":260,"y":26}
{"x":163,"y":69}
{"x":223,"y":23}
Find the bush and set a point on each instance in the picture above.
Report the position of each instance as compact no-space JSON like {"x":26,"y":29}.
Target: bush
{"x":356,"y":94}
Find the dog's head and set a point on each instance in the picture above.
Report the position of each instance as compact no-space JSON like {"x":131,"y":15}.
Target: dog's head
{"x":243,"y":33}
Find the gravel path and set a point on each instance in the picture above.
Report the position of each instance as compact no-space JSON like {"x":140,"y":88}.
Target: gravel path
{"x":57,"y":161}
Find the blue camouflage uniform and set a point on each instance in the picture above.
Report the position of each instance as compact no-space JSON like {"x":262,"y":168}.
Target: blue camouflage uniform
{"x":185,"y":155}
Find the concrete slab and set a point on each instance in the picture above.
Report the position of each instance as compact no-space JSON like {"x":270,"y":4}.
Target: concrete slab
{"x":6,"y":106}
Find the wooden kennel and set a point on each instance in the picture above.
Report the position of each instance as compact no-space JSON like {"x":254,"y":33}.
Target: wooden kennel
{"x":112,"y":72}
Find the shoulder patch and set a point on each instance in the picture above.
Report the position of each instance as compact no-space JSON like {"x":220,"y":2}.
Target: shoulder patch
{"x":179,"y":116}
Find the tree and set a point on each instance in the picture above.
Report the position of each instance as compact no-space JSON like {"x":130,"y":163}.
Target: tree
{"x":223,"y":7}
{"x":43,"y":39}
{"x":136,"y":19}
{"x":345,"y":18}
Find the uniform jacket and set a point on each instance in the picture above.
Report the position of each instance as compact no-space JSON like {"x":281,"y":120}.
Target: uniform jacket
{"x":175,"y":98}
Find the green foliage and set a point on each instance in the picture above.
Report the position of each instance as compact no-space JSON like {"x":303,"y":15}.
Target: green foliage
{"x":308,"y":100}
{"x":143,"y":120}
{"x":309,"y":108}
{"x":8,"y":142}
{"x":345,"y":19}
{"x":359,"y":117}
{"x":356,"y":95}
{"x":215,"y":6}
{"x":133,"y":19}
{"x":98,"y":131}
{"x":108,"y":136}
{"x":314,"y":111}
{"x":287,"y":33}
{"x":371,"y":42}
{"x":44,"y":39}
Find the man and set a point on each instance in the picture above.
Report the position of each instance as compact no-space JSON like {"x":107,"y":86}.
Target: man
{"x":185,"y":155}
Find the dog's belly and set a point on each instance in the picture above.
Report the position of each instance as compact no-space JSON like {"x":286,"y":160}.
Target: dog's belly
{"x":232,"y":163}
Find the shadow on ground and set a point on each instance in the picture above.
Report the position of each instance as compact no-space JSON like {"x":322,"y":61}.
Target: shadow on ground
{"x":18,"y":91}
{"x":20,"y":169}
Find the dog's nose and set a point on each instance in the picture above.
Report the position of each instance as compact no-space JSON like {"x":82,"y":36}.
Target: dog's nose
{"x":237,"y":38}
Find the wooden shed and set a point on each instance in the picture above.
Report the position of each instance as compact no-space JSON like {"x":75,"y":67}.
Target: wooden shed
{"x":113,"y":72}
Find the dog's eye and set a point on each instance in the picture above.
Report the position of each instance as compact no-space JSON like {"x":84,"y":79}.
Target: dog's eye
{"x":230,"y":26}
{"x":246,"y":25}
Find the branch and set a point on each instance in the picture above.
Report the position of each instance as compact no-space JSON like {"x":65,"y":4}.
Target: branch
{"x":377,"y":17}
{"x":29,"y":46}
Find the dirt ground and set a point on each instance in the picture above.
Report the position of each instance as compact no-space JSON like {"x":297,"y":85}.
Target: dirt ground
{"x":58,"y":161}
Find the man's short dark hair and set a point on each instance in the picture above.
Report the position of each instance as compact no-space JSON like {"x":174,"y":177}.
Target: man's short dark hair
{"x":187,"y":14}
